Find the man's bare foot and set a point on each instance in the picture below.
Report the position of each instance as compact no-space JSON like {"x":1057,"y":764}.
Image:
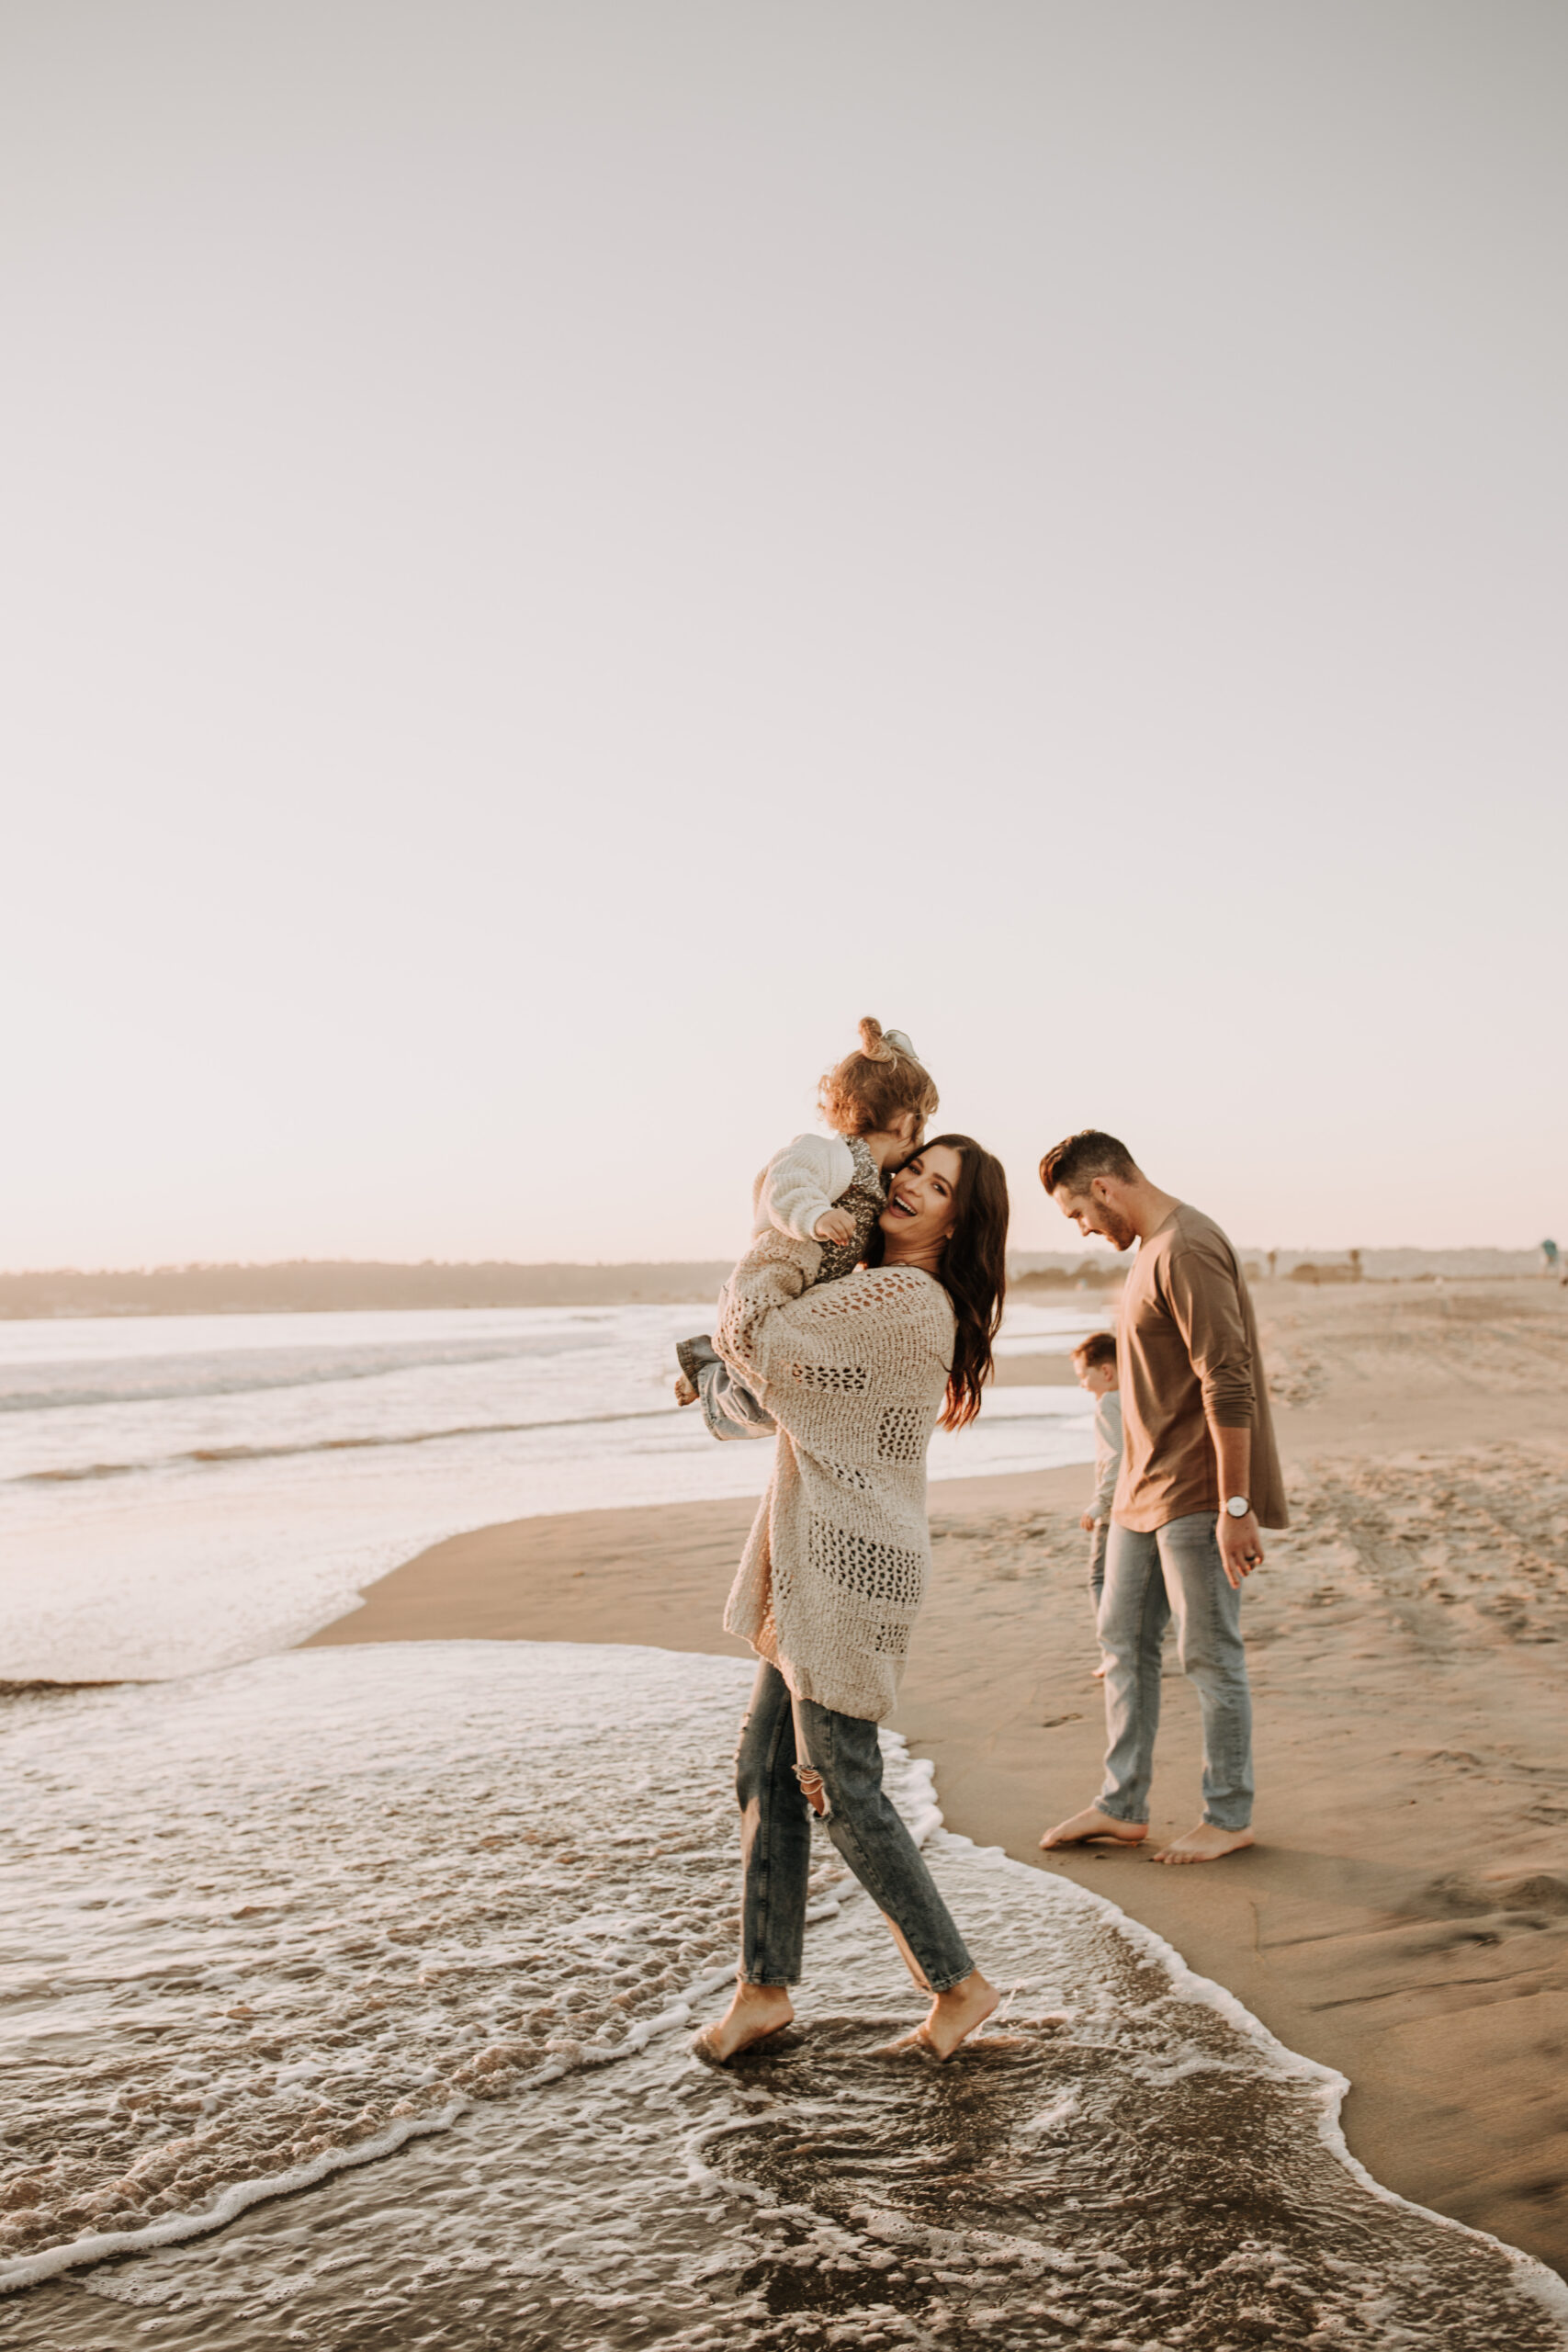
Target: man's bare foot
{"x":952,"y":2019}
{"x":756,"y":2011}
{"x":1207,"y":1843}
{"x":684,"y":1391}
{"x":1092,"y":1823}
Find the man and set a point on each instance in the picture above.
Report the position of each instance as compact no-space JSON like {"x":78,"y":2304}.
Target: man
{"x":1200,"y":1477}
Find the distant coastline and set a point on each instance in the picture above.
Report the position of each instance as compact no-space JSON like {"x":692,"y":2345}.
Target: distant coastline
{"x":311,"y":1286}
{"x":326,"y":1286}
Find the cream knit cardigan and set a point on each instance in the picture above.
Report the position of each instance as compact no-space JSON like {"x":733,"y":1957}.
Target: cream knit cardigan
{"x":855,"y":1372}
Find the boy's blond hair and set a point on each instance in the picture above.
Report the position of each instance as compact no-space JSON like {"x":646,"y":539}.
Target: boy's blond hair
{"x":865,"y":1093}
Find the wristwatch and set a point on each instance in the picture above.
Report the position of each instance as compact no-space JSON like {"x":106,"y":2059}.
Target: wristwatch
{"x":1237,"y":1506}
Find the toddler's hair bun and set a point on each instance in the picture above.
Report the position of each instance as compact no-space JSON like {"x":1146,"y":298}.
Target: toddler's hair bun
{"x":874,"y":1088}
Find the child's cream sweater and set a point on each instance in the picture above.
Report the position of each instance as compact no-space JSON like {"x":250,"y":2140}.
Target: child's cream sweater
{"x":799,"y":1182}
{"x":813,"y":1174}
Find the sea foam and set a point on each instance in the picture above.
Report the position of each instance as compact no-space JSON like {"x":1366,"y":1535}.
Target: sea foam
{"x":453,"y":1905}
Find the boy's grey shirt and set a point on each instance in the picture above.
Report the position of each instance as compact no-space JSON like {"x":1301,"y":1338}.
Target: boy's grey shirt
{"x":1107,"y":1451}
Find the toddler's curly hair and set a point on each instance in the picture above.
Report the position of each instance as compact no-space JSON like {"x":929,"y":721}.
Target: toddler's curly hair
{"x":867,"y":1091}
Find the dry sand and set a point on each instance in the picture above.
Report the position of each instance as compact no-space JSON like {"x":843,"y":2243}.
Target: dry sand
{"x":1405,"y":1915}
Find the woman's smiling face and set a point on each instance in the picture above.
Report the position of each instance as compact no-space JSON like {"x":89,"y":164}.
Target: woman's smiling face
{"x":919,"y":1215}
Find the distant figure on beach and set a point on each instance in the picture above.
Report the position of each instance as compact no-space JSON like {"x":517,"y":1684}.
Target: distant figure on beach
{"x":1549,"y":1258}
{"x":1094,"y":1361}
{"x":1200,"y":1479}
{"x":857,"y":1376}
{"x":823,"y":1188}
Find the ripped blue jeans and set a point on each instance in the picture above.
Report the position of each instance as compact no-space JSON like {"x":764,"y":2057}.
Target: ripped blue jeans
{"x":862,"y":1820}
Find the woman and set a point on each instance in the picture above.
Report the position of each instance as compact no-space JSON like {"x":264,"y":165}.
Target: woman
{"x":856,"y":1374}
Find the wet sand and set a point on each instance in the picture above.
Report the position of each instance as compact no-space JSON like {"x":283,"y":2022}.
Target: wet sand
{"x":1405,"y":1915}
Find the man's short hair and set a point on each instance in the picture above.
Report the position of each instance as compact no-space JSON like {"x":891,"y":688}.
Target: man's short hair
{"x":1071,"y":1165}
{"x":1097,"y":1349}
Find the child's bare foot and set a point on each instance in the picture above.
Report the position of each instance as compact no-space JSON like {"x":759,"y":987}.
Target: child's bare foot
{"x":952,"y":2019}
{"x":1207,"y":1843}
{"x":756,"y":2011}
{"x":684,"y":1391}
{"x":1092,"y":1823}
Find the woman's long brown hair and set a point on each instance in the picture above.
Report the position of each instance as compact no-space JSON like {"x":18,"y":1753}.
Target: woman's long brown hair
{"x":973,"y":1270}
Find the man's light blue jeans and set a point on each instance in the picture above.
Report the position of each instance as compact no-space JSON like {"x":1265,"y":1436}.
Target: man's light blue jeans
{"x":1149,"y":1579}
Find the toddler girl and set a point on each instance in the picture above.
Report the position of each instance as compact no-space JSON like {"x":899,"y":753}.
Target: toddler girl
{"x":825,"y":1189}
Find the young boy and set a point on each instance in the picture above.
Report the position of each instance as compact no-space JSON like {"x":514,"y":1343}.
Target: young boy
{"x":1094,"y":1360}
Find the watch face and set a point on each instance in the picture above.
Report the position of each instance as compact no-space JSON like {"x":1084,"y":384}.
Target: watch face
{"x":1238,"y":1505}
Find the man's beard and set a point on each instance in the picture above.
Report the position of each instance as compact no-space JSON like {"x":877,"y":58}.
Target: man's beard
{"x":1116,"y":1229}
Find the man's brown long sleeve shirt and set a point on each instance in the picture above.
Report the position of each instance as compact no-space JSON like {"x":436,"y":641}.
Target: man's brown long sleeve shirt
{"x":1188,"y":1360}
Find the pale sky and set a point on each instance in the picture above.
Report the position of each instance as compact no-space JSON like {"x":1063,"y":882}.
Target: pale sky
{"x":556,"y":555}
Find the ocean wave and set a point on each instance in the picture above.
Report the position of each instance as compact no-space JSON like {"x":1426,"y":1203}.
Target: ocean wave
{"x":26,"y":1389}
{"x":68,"y":1473}
{"x":1016,"y":1405}
{"x":287,"y":2023}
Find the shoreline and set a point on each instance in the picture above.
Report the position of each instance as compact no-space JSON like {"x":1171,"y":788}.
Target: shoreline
{"x":1404,"y":1917}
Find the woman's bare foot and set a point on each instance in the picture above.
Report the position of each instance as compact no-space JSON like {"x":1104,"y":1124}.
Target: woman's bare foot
{"x":952,"y":2019}
{"x":1092,"y":1823}
{"x":684,"y":1391}
{"x":1100,"y":1671}
{"x":756,"y":2011}
{"x":1207,"y":1843}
